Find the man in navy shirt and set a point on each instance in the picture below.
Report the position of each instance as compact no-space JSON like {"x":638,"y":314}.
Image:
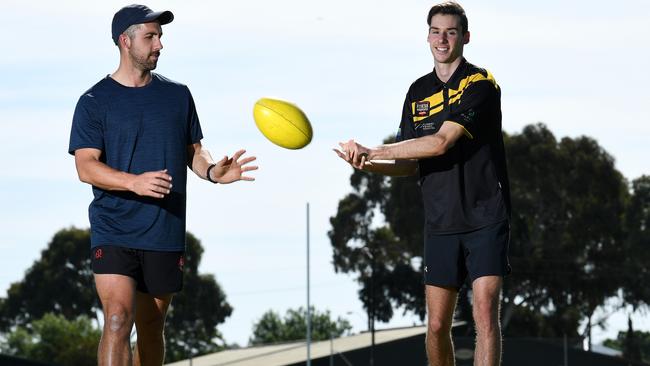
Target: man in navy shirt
{"x":451,"y":133}
{"x":134,"y":134}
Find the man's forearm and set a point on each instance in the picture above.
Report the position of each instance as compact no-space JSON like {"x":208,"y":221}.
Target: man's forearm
{"x":100,"y":175}
{"x":419,"y":148}
{"x":155,"y":184}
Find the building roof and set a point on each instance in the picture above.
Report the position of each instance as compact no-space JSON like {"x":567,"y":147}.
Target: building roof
{"x":404,"y":346}
{"x":290,"y":353}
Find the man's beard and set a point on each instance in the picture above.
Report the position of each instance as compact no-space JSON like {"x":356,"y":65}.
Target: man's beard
{"x":145,"y":63}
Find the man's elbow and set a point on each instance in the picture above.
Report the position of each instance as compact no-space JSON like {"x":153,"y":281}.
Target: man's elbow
{"x":83,"y":171}
{"x":441,"y":146}
{"x":83,"y":176}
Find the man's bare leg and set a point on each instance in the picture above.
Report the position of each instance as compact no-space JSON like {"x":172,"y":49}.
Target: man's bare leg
{"x":441,"y":302}
{"x":117,"y":294}
{"x":486,"y":299}
{"x":150,"y":325}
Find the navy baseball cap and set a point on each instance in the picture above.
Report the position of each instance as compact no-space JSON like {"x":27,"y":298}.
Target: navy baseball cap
{"x":137,"y":14}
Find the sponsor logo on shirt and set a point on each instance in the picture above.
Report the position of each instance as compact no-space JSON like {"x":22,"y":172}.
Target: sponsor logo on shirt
{"x":468,"y":116}
{"x":426,"y":126}
{"x":422,"y":109}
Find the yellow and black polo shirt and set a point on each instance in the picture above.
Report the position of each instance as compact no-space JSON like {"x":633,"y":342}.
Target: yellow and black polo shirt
{"x":467,"y":187}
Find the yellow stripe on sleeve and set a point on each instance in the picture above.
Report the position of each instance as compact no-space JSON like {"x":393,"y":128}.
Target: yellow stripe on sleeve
{"x":469,"y":135}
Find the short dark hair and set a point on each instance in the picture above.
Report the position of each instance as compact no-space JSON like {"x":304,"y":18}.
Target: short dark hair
{"x":449,"y":8}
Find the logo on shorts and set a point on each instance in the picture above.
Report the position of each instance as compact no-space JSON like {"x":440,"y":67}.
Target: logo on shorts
{"x":426,"y":269}
{"x":422,"y":109}
{"x":181,"y":262}
{"x":98,"y":253}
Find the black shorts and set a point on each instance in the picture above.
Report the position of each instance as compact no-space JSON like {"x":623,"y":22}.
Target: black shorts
{"x":449,"y":259}
{"x":155,"y":272}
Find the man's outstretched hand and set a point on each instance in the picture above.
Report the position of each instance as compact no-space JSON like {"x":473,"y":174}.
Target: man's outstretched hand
{"x":229,"y":170}
{"x":353,"y":153}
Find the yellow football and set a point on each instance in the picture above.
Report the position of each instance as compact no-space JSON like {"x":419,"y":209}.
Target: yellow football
{"x":283,"y":123}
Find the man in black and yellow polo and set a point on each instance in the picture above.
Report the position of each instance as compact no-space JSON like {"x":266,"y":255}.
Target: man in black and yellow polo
{"x":451,"y":132}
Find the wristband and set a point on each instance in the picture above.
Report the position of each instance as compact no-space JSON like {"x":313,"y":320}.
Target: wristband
{"x":207,"y":174}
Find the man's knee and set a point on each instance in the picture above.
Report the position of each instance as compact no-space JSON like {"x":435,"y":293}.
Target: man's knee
{"x":438,"y":327}
{"x":118,"y":320}
{"x":151,"y":327}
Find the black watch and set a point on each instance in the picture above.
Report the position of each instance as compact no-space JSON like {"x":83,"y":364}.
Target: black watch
{"x":207,"y":174}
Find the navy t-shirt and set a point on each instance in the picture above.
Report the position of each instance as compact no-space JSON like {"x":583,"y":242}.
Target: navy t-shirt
{"x":138,"y":129}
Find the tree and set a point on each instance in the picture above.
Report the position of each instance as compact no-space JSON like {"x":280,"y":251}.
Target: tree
{"x":55,"y":339}
{"x":567,"y":228}
{"x":567,"y":239}
{"x":61,"y":282}
{"x":637,"y":225}
{"x":272,"y":329}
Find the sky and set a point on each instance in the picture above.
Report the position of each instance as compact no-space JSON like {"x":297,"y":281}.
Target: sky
{"x":580,"y":67}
